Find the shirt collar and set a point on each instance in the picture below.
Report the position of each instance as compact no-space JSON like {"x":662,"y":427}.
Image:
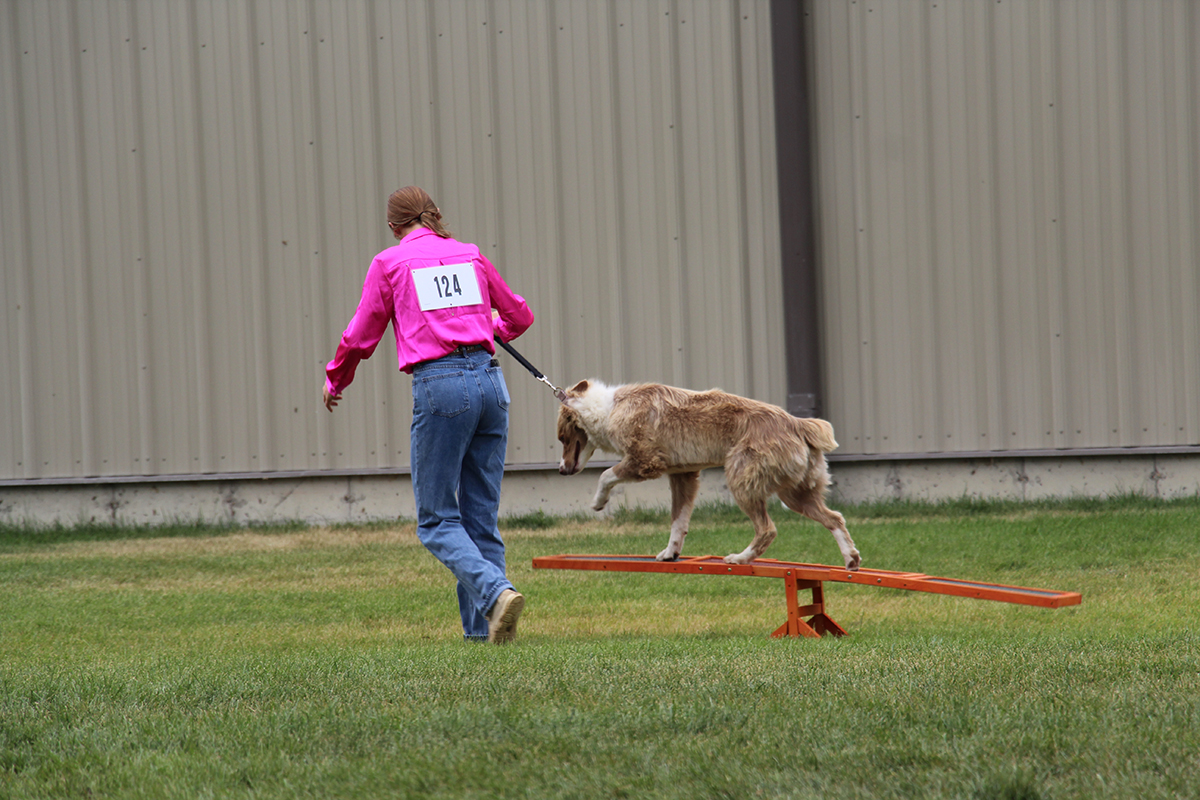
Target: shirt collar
{"x":417,"y":234}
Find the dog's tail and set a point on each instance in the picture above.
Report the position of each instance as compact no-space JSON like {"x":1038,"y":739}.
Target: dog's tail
{"x":818,"y":433}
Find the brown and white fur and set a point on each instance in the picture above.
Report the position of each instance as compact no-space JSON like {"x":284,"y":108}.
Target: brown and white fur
{"x":662,"y":430}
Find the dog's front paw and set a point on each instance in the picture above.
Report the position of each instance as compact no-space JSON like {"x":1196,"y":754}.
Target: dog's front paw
{"x":669,"y":554}
{"x":599,"y":503}
{"x":738,"y":558}
{"x":854,"y":561}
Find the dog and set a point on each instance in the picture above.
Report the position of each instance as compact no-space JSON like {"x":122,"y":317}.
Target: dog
{"x":663,"y":430}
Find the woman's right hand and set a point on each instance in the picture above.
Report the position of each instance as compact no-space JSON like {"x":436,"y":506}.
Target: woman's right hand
{"x":331,"y":400}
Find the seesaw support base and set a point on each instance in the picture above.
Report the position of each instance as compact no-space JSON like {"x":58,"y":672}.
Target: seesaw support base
{"x":818,"y":624}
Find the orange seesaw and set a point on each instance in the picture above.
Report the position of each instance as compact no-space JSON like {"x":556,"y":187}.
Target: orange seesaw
{"x":797,"y":576}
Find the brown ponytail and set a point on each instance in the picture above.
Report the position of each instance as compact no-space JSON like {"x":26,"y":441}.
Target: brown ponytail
{"x":413,"y":204}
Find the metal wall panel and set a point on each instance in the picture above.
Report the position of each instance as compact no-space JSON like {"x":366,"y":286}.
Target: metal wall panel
{"x":191,"y":192}
{"x":1009,"y":200}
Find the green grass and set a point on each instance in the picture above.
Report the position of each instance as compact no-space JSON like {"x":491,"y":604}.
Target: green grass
{"x":198,"y":661}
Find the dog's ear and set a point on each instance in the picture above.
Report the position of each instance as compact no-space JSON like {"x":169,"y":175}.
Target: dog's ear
{"x":572,"y":395}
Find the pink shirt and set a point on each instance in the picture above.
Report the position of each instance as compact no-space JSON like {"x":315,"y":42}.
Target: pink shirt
{"x":389,"y":295}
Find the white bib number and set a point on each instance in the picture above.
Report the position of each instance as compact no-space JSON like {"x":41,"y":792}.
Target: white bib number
{"x":447,"y":286}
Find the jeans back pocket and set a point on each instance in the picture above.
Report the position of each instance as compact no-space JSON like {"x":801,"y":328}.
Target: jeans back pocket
{"x":445,"y":394}
{"x":497,"y":376}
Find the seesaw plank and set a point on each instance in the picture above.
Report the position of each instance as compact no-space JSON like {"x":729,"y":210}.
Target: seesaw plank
{"x":770,"y":568}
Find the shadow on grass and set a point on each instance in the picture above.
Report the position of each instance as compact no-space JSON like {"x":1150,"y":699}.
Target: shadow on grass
{"x":1017,"y":787}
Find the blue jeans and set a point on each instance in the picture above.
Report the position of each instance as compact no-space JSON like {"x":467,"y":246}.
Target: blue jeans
{"x":459,"y":438}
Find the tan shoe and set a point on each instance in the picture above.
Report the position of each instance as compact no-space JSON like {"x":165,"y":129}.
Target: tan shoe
{"x":502,"y":620}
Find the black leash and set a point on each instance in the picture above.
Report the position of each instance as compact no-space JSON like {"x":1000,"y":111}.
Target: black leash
{"x":559,"y":393}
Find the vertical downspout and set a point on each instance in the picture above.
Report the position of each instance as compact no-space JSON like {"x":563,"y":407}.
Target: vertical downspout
{"x":796,"y":209}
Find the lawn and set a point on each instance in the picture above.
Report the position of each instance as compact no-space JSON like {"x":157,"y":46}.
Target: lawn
{"x":192,"y":662}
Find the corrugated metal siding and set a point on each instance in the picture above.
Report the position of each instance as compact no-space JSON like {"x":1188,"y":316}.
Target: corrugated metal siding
{"x":1010,"y":195}
{"x":191,"y":192}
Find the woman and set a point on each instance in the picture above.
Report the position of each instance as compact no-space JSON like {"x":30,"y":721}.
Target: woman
{"x":438,"y":294}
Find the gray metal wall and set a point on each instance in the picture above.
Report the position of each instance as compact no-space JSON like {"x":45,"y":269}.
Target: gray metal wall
{"x":191,"y":192}
{"x":1010,"y":213}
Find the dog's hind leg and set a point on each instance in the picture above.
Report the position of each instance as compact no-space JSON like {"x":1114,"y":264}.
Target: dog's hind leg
{"x":764,"y":530}
{"x":684,"y":486}
{"x":811,"y":503}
